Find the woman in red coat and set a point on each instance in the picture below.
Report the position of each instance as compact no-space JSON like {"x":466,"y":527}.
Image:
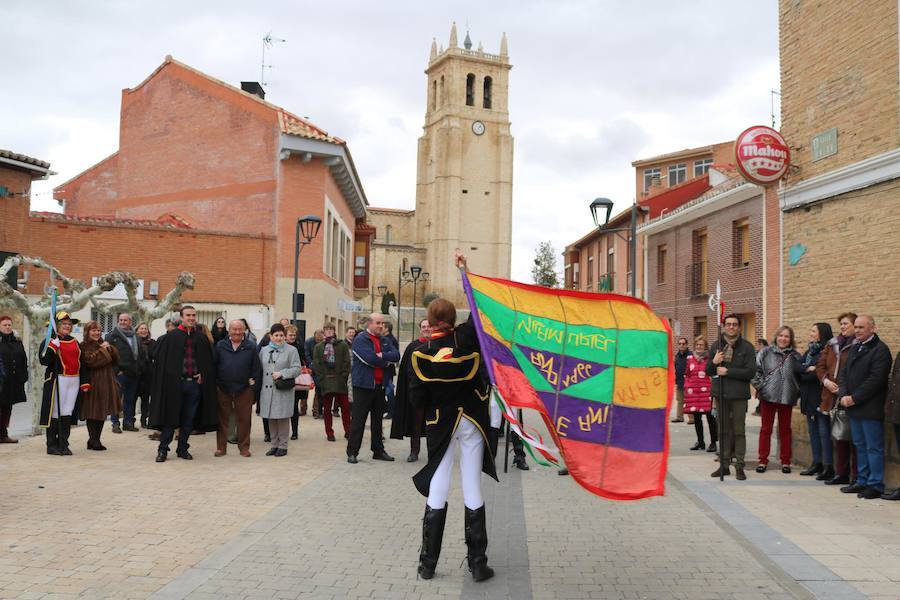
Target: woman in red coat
{"x":697,"y":400}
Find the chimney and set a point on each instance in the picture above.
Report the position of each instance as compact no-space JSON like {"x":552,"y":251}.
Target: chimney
{"x":253,"y":87}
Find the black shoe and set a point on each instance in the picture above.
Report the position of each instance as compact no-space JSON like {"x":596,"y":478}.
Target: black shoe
{"x":761,"y":468}
{"x":352,"y":459}
{"x":869,"y":493}
{"x":383,"y":456}
{"x":116,"y":428}
{"x":520,"y":464}
{"x":267,"y":439}
{"x":161,"y":456}
{"x":413,"y":457}
{"x":562,"y":472}
{"x":184,"y":454}
{"x":853,"y":488}
{"x":826,"y":474}
{"x":838,"y":480}
{"x":720,"y":472}
{"x":786,"y":469}
{"x":699,"y":446}
{"x":712,"y":447}
{"x":272,"y":452}
{"x":294,"y":436}
{"x":65,"y":451}
{"x":330,"y":438}
{"x":476,"y":542}
{"x":895,"y":495}
{"x":129,"y":427}
{"x":281,"y":452}
{"x":814,"y":469}
{"x":432,"y":536}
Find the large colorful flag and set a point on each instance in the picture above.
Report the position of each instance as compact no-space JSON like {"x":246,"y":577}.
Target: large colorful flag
{"x":598,"y":369}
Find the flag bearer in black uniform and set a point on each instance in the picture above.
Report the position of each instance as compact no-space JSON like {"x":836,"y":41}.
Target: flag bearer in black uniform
{"x":447,"y":378}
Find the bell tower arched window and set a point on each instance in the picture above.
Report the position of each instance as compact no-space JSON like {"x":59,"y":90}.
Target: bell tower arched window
{"x":488,"y":84}
{"x":441,"y":92}
{"x":470,"y":90}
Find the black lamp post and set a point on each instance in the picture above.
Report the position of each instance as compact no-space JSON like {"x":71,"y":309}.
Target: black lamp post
{"x":308,"y":228}
{"x":382,"y":290}
{"x":601,"y":208}
{"x":416,"y":272}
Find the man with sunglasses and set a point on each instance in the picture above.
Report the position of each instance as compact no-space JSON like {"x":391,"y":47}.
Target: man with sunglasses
{"x":731,"y":369}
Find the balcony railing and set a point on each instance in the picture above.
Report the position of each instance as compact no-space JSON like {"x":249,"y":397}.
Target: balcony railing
{"x":695,"y":279}
{"x":607,"y":282}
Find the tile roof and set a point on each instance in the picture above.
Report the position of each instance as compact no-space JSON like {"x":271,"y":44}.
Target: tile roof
{"x":24,"y":159}
{"x":166,"y":221}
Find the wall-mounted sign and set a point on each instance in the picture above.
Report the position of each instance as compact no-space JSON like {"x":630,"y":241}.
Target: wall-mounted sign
{"x":762,"y":155}
{"x":349,"y":306}
{"x":824,"y":144}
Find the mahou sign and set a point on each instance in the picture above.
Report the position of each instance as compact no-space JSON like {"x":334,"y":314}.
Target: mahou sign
{"x":762,"y":155}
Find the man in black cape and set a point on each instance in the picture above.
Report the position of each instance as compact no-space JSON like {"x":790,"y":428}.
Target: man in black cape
{"x":184,"y":390}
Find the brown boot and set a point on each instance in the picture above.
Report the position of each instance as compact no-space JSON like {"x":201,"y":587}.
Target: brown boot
{"x":8,"y":440}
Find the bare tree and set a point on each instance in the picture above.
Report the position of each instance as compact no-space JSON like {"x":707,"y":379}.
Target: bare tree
{"x":74,"y":296}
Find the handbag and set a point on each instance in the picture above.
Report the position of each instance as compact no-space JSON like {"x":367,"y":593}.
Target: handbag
{"x":840,"y":424}
{"x":304,"y":381}
{"x":284,"y":384}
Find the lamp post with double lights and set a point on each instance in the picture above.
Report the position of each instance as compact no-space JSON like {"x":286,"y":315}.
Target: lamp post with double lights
{"x":413,"y":276}
{"x":308,"y":229}
{"x":601,"y":208}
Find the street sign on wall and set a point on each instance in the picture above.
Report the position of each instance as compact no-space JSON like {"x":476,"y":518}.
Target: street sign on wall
{"x":824,"y":144}
{"x":762,"y":155}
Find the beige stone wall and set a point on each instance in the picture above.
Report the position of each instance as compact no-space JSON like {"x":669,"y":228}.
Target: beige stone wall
{"x":838,"y":69}
{"x":401,"y":223}
{"x":851,"y":260}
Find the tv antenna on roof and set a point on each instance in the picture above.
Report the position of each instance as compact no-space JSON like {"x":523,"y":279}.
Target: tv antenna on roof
{"x":268,"y":41}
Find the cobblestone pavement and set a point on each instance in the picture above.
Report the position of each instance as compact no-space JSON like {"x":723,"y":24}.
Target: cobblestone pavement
{"x":117,"y":525}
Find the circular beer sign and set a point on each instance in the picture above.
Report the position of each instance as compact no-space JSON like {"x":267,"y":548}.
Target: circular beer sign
{"x":762,"y":155}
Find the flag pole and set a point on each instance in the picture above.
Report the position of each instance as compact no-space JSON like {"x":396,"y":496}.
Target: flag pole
{"x":715,"y":303}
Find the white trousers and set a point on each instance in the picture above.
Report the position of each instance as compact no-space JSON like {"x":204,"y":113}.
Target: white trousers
{"x":66,"y":394}
{"x":471,"y":455}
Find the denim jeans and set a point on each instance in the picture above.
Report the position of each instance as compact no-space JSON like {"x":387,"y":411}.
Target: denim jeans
{"x":868,"y":437}
{"x":129,"y":387}
{"x":190,"y":402}
{"x":389,"y":396}
{"x":819,"y":426}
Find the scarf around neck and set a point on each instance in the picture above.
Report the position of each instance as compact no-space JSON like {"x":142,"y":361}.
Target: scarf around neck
{"x":328,"y":352}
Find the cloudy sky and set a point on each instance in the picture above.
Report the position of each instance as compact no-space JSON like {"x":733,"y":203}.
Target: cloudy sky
{"x":594,"y":85}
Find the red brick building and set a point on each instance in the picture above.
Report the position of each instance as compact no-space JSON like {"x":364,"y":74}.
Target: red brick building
{"x":600,"y":260}
{"x":154,"y":250}
{"x":217,"y":158}
{"x":718,"y":236}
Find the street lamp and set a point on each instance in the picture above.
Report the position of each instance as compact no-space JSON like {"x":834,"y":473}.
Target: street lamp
{"x":308,"y":228}
{"x":382,"y":290}
{"x":416,"y":272}
{"x":601,"y":208}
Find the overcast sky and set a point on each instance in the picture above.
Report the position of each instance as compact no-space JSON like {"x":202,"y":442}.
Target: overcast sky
{"x":594,"y":85}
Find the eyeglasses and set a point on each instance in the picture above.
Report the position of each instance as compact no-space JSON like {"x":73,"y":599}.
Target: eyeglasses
{"x":732,"y":324}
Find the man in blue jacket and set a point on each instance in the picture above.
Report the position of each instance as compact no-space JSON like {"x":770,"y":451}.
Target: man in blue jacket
{"x":238,"y":368}
{"x":372,"y":356}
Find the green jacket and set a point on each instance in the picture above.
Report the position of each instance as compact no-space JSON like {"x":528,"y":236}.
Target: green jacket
{"x":332,"y":381}
{"x":741,"y":369}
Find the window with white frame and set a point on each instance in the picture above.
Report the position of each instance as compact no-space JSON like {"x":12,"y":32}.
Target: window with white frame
{"x":651,"y":177}
{"x":677,"y":174}
{"x":701,"y":167}
{"x":337,"y":247}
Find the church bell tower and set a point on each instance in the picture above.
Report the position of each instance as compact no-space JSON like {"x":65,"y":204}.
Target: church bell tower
{"x":465,"y":158}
